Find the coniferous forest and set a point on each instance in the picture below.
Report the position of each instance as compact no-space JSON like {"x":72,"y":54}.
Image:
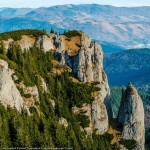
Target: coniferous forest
{"x":41,"y":128}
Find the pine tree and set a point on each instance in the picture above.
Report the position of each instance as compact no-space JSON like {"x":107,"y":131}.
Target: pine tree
{"x":52,"y":31}
{"x":2,"y":48}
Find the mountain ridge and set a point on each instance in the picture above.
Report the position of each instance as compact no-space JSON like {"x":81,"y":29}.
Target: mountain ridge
{"x":83,"y":106}
{"x":128,"y":65}
{"x":122,"y":26}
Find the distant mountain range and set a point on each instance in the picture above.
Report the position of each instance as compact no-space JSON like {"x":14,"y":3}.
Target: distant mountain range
{"x":129,"y":66}
{"x":121,"y":26}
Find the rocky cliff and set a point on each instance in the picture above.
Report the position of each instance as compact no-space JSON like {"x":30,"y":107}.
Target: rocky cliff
{"x":46,"y":42}
{"x":85,"y":58}
{"x":87,"y":66}
{"x":131,"y":115}
{"x":51,"y":97}
{"x":9,"y":94}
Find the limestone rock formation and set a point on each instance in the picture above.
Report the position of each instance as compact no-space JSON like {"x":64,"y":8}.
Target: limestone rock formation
{"x":53,"y":103}
{"x":131,"y":115}
{"x":9,"y":94}
{"x":4,"y":64}
{"x":87,"y":65}
{"x":99,"y":114}
{"x":6,"y":43}
{"x":63,"y":122}
{"x":26,"y":42}
{"x":32,"y":90}
{"x":85,"y":58}
{"x":86,"y":109}
{"x":46,"y":42}
{"x":43,"y":84}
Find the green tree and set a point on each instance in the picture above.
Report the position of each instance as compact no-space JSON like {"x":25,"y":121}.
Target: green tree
{"x":52,"y":31}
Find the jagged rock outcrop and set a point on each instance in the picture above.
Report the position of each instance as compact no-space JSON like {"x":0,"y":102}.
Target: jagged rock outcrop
{"x":121,"y":147}
{"x":87,"y":65}
{"x":43,"y":84}
{"x":131,"y":115}
{"x":53,"y":103}
{"x":6,"y":43}
{"x":46,"y":42}
{"x":86,"y":109}
{"x":63,"y":122}
{"x":32,"y":90}
{"x":99,"y":113}
{"x":9,"y":94}
{"x":26,"y":42}
{"x":85,"y":58}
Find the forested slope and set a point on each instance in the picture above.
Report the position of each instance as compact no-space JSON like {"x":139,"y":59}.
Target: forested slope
{"x":41,"y":128}
{"x":129,"y":66}
{"x":49,"y":121}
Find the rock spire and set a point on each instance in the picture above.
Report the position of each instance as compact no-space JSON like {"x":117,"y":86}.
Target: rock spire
{"x":131,"y":115}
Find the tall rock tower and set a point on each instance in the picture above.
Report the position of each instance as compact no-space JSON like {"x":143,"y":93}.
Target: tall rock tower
{"x":131,"y":115}
{"x":87,"y":65}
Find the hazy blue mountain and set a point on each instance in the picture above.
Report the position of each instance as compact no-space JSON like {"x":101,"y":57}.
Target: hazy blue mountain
{"x":130,"y":65}
{"x":127,"y":27}
{"x":110,"y":48}
{"x":2,"y":9}
{"x":14,"y":12}
{"x":24,"y":23}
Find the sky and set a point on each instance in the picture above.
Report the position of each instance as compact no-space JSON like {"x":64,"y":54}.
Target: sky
{"x":48,"y":3}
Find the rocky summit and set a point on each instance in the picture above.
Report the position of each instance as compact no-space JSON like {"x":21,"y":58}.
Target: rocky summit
{"x":127,"y":27}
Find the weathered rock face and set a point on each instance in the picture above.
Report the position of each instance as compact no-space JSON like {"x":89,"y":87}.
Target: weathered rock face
{"x":63,"y":122}
{"x":87,"y":65}
{"x":3,"y":64}
{"x":32,"y":90}
{"x":43,"y":84}
{"x":26,"y":42}
{"x":99,"y":114}
{"x":53,"y":103}
{"x":6,"y":43}
{"x":131,"y":115}
{"x":46,"y":43}
{"x":86,"y":62}
{"x":90,"y":63}
{"x":87,"y":110}
{"x":9,"y":94}
{"x":60,"y":52}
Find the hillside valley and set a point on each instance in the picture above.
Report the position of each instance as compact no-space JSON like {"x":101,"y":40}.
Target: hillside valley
{"x":130,"y":65}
